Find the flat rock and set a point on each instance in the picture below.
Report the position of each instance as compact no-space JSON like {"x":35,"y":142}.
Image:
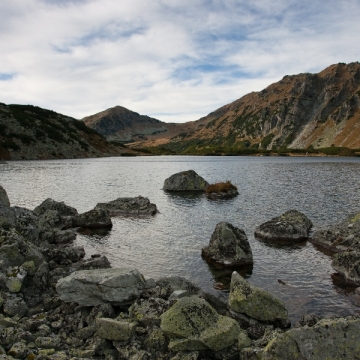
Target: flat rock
{"x":292,"y":226}
{"x":254,"y":302}
{"x":228,"y":247}
{"x":340,"y":236}
{"x":129,"y":206}
{"x":327,"y":339}
{"x":93,"y":287}
{"x":185,"y":181}
{"x":192,"y":324}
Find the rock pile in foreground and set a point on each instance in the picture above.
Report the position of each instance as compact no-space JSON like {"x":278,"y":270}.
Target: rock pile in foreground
{"x":55,"y":305}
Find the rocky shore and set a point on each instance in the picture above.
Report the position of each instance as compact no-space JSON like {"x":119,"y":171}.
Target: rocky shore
{"x":55,"y":304}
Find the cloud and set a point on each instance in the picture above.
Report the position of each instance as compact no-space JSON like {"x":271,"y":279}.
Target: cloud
{"x":176,"y":59}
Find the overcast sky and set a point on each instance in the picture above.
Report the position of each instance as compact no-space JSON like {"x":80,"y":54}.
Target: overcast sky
{"x":175,"y":60}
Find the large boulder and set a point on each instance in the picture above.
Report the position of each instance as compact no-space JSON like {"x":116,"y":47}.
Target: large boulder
{"x":327,"y":339}
{"x":340,"y":236}
{"x":95,"y":218}
{"x":228,"y":247}
{"x":347,"y":264}
{"x":129,"y":206}
{"x":60,"y":207}
{"x":292,"y":226}
{"x":192,"y":324}
{"x":93,"y":287}
{"x":4,"y":199}
{"x":254,"y":302}
{"x":185,"y":181}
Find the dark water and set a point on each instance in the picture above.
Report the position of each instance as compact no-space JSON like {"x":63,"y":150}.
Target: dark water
{"x":325,"y":189}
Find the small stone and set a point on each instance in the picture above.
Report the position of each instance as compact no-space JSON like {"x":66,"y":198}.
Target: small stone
{"x":18,"y":350}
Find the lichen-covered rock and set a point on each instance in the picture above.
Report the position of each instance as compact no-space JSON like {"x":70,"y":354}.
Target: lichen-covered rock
{"x":18,"y":350}
{"x":129,"y":206}
{"x":340,"y":236}
{"x":113,"y":329}
{"x":257,"y":303}
{"x":14,"y":304}
{"x":4,"y":199}
{"x":292,"y":226}
{"x":228,"y":247}
{"x":185,"y":181}
{"x":93,"y":287}
{"x":334,"y":339}
{"x":347,"y":263}
{"x":60,"y":207}
{"x":95,"y":218}
{"x":48,"y":342}
{"x":192,"y":324}
{"x":15,"y":278}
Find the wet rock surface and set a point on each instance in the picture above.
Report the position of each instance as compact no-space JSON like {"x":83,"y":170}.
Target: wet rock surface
{"x":228,"y":247}
{"x":185,"y":181}
{"x":129,"y":206}
{"x":292,"y":226}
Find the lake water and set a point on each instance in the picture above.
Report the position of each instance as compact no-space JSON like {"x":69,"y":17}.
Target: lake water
{"x":325,"y":189}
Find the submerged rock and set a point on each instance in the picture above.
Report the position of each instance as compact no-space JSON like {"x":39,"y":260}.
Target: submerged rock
{"x":327,"y":339}
{"x":341,"y":236}
{"x":192,"y":324}
{"x":228,"y":247}
{"x":257,"y":303}
{"x":4,"y":199}
{"x":129,"y":206}
{"x":94,"y":287}
{"x":185,"y":181}
{"x":292,"y":226}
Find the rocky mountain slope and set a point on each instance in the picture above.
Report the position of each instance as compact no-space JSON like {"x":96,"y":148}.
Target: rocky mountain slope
{"x":298,"y":112}
{"x":29,"y":132}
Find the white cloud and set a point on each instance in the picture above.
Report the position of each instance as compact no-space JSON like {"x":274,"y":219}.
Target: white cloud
{"x":173,"y":59}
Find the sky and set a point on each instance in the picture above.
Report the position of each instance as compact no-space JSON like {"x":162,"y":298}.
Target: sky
{"x":175,"y":60}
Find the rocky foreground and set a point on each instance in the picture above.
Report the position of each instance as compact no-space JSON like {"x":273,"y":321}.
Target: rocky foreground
{"x":55,"y":304}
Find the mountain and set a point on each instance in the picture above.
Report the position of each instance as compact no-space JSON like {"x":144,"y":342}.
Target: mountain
{"x":298,"y":112}
{"x":29,"y":133}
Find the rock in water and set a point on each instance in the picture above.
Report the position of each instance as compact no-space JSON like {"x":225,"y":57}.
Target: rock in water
{"x":93,"y":287}
{"x":192,"y":324}
{"x":4,"y":199}
{"x":327,"y":339}
{"x":185,"y":181}
{"x":60,"y":207}
{"x":95,"y":218}
{"x":292,"y":226}
{"x":129,"y":206}
{"x":257,"y":303}
{"x":228,"y":247}
{"x":347,"y":264}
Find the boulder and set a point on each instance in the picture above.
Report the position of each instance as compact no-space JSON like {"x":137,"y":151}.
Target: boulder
{"x":328,"y":339}
{"x":228,"y":247}
{"x":60,"y":207}
{"x":4,"y":199}
{"x":185,"y":181}
{"x":129,"y":206}
{"x":292,"y":226}
{"x":117,"y":330}
{"x":347,"y":264}
{"x":252,"y":301}
{"x":7,"y":217}
{"x":340,"y":236}
{"x":93,"y":287}
{"x":167,"y":285}
{"x":95,"y":218}
{"x":192,"y":324}
{"x":222,"y":190}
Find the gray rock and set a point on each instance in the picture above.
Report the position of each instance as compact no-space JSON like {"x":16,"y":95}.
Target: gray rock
{"x":340,"y":236}
{"x":93,"y":287}
{"x":4,"y":199}
{"x":292,"y":226}
{"x":18,"y":350}
{"x":228,"y":247}
{"x":347,"y":263}
{"x":192,"y":324}
{"x":257,"y":303}
{"x":48,"y":342}
{"x":60,"y":207}
{"x":27,"y":223}
{"x":327,"y":339}
{"x":167,"y":285}
{"x":117,"y":330}
{"x":7,"y":217}
{"x":185,"y":181}
{"x":15,"y":278}
{"x":14,"y":304}
{"x":95,"y":218}
{"x":129,"y":206}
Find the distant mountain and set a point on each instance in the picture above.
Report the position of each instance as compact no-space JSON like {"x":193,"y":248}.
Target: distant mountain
{"x":29,"y":132}
{"x":298,"y":112}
